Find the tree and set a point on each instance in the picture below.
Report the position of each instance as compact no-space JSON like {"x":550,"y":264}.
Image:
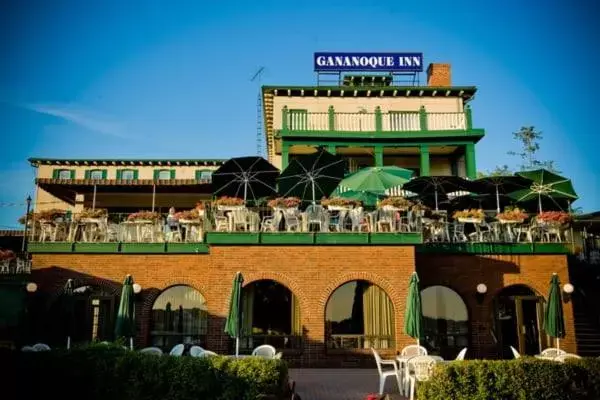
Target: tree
{"x":530,"y":139}
{"x":502,"y":170}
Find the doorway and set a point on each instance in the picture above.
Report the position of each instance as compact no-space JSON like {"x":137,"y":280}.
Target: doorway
{"x":518,"y":320}
{"x":94,"y":315}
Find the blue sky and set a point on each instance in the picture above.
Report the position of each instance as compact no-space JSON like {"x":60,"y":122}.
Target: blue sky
{"x":142,"y":79}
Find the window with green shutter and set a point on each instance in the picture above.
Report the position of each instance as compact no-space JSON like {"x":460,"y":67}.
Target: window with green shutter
{"x":164,"y":174}
{"x":127,"y":174}
{"x":95,"y":174}
{"x":63,"y":174}
{"x":204,"y":175}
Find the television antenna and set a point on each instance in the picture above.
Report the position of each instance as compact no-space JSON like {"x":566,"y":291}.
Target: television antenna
{"x":259,"y":115}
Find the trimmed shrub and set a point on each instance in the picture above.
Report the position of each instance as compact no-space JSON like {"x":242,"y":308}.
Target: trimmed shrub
{"x":112,"y":373}
{"x":522,"y":379}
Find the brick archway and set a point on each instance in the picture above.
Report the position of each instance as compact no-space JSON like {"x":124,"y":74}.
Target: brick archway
{"x":106,"y":285}
{"x":281,"y":279}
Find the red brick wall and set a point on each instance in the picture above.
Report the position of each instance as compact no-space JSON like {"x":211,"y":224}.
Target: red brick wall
{"x":311,"y":273}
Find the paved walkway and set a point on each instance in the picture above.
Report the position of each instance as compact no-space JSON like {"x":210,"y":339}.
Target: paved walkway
{"x":340,"y":384}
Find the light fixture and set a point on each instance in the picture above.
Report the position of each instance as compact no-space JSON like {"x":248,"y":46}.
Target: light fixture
{"x":568,"y":288}
{"x":137,"y":288}
{"x":482,"y":288}
{"x":31,"y":287}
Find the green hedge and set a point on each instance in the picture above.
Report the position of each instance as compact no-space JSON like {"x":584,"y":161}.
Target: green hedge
{"x":108,"y":373}
{"x":522,"y":379}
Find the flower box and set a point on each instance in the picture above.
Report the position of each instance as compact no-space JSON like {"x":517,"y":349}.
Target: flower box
{"x":398,"y":203}
{"x":284,"y":203}
{"x":470,"y":220}
{"x":511,"y":221}
{"x":340,"y":208}
{"x":230,"y":208}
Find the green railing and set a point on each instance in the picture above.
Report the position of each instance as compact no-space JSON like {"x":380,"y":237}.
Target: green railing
{"x":378,"y":121}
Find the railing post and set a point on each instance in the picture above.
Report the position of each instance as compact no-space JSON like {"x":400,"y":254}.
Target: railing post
{"x":423,"y":118}
{"x":284,"y":118}
{"x":331,"y":118}
{"x":378,"y":119}
{"x":469,"y":118}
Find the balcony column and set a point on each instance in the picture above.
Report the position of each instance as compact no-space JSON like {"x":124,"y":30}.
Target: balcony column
{"x":378,"y":155}
{"x":470,"y":166}
{"x":425,"y":164}
{"x":331,"y":148}
{"x":285,"y":156}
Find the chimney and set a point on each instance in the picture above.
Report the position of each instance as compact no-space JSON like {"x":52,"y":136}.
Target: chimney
{"x":439,"y":75}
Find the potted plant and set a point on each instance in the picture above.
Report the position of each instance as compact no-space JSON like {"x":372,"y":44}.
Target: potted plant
{"x":554,"y":218}
{"x":51,"y":214}
{"x":284,"y":202}
{"x":144,"y":216}
{"x":192,"y":215}
{"x":511,"y":215}
{"x":338,"y":203}
{"x":473,"y":215}
{"x":395,"y":203}
{"x":7,"y":255}
{"x":89,"y":213}
{"x":229,"y":203}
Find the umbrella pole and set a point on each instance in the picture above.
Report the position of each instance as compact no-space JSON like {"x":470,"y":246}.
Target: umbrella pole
{"x":540,"y":202}
{"x":436,"y":200}
{"x":131,"y":343}
{"x":557,"y":344}
{"x":245,"y":190}
{"x":313,"y":190}
{"x":68,"y":342}
{"x":237,"y":346}
{"x":497,"y":200}
{"x":94,"y":199}
{"x":153,"y":196}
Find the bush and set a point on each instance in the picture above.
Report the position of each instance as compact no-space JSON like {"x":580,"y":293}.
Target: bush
{"x":101,"y":373}
{"x":522,"y":379}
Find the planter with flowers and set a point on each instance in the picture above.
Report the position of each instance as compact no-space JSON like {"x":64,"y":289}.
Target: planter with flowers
{"x":189,"y":216}
{"x":339,"y":204}
{"x":395,"y":203}
{"x":52,"y":215}
{"x":227,"y":203}
{"x":91,"y":215}
{"x":554,"y":219}
{"x":419,"y":209}
{"x":146,"y":217}
{"x":512,"y":216}
{"x":7,"y":255}
{"x":473,"y":216}
{"x":285,"y":203}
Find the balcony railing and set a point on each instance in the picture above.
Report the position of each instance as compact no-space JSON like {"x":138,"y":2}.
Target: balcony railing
{"x":378,"y":121}
{"x":18,"y":265}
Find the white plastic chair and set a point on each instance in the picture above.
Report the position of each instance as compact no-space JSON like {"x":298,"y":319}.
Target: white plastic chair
{"x":196,"y":351}
{"x":383,"y":375}
{"x":515,"y":352}
{"x":27,"y":349}
{"x":155,"y":351}
{"x":208,"y":353}
{"x":413,"y":350}
{"x":177,"y":350}
{"x":552,"y":352}
{"x":461,"y":355}
{"x":422,"y":367}
{"x":41,"y":347}
{"x":278,"y":356}
{"x":566,"y":356}
{"x":264,"y":351}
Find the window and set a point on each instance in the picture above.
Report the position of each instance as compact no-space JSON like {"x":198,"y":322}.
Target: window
{"x":95,"y":174}
{"x":163,"y":174}
{"x":179,"y":315}
{"x":271,"y":315}
{"x":204,"y":175}
{"x":127,"y":174}
{"x":64,"y":174}
{"x":359,"y":315}
{"x":445,"y":321}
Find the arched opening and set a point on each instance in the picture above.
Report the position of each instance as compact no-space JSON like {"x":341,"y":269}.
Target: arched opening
{"x":518,"y":316}
{"x":445,"y":320}
{"x":179,"y":315}
{"x":92,"y":317}
{"x":359,"y":315}
{"x":270,"y":315}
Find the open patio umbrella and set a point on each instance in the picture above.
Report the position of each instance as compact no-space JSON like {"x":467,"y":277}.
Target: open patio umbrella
{"x":233,"y":323}
{"x":312,"y":177}
{"x":503,"y":185}
{"x":125,"y":326}
{"x":245,"y":177}
{"x":368,"y":199}
{"x":69,"y":309}
{"x":377,"y":179}
{"x":438,"y":186}
{"x":545,"y":185}
{"x":554,"y":319}
{"x":413,"y":316}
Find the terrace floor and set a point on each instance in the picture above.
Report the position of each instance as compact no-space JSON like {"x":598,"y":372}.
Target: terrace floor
{"x":340,"y":384}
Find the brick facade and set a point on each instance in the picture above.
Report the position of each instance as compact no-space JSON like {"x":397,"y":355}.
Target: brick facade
{"x":312,"y":274}
{"x":439,"y":75}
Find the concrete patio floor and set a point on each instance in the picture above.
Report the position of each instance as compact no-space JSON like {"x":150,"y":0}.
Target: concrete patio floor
{"x":340,"y":384}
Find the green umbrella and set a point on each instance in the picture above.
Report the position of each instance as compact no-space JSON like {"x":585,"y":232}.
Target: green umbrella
{"x":554,"y":320}
{"x":377,"y":179}
{"x":367,"y":198}
{"x":413,"y":316}
{"x":545,"y":185}
{"x":125,"y":326}
{"x":68,"y":305}
{"x":232,"y":325}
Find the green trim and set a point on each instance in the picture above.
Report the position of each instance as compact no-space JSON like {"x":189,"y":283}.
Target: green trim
{"x":378,"y":119}
{"x":425,"y":162}
{"x":96,"y":248}
{"x":188,"y":248}
{"x":73,"y":174}
{"x":469,"y":117}
{"x":285,"y":155}
{"x":341,"y":238}
{"x":135,"y":174}
{"x":423,"y":119}
{"x":87,"y":173}
{"x":104,"y":174}
{"x":331,"y":118}
{"x":143,"y":248}
{"x":225,"y":238}
{"x":494,"y":248}
{"x":465,"y":92}
{"x":279,"y":238}
{"x":390,"y":238}
{"x":369,"y":144}
{"x":118,"y":175}
{"x":470,"y":166}
{"x":374,"y":135}
{"x":331,"y":148}
{"x":49,"y":247}
{"x":378,"y":150}
{"x":173,"y":174}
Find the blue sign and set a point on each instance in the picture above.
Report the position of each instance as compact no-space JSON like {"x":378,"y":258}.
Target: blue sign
{"x":389,"y":62}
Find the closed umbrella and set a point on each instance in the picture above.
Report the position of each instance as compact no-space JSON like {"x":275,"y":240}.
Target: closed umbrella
{"x":377,"y":179}
{"x":233,"y":323}
{"x":245,"y":177}
{"x":554,"y":319}
{"x":413,"y":316}
{"x":69,"y":309}
{"x":125,"y":326}
{"x":545,"y":185}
